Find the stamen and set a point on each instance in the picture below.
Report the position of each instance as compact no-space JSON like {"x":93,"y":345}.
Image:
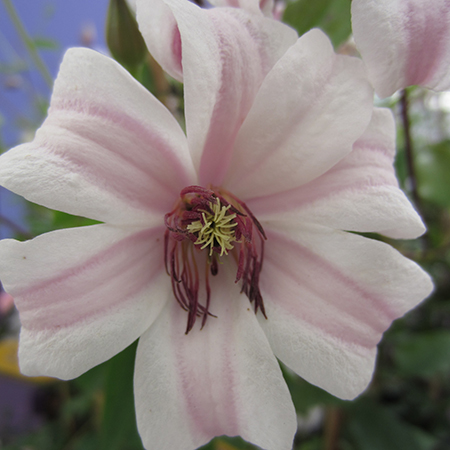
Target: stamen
{"x":214,"y":229}
{"x":216,"y":220}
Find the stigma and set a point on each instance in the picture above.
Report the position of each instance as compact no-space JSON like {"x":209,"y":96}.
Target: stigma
{"x":208,"y":224}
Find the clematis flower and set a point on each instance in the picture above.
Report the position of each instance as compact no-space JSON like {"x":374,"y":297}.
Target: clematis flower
{"x":221,"y":249}
{"x":403,"y":42}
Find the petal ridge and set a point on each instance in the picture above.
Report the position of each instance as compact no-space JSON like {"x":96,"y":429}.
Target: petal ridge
{"x":76,"y":311}
{"x":206,"y":384}
{"x":325,"y":322}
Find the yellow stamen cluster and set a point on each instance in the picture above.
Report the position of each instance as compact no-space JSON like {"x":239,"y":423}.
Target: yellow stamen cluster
{"x":216,"y":229}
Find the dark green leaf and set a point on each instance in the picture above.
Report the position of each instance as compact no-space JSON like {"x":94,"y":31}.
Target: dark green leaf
{"x":373,"y":427}
{"x":332,"y":16}
{"x":433,"y":169}
{"x":119,"y":431}
{"x":423,"y":354}
{"x":123,"y":36}
{"x":315,"y":443}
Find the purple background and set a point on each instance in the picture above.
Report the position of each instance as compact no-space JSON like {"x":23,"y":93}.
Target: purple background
{"x":64,"y":22}
{"x":61,"y":21}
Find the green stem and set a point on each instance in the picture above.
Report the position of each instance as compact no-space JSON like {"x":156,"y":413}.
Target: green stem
{"x":409,"y":151}
{"x":29,"y":44}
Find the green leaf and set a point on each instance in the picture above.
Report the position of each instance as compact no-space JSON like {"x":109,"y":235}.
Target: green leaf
{"x":373,"y":427}
{"x":118,"y":430}
{"x":332,"y":16}
{"x":433,"y":168}
{"x":316,"y":443}
{"x":423,"y":354}
{"x":63,"y":220}
{"x":123,"y":36}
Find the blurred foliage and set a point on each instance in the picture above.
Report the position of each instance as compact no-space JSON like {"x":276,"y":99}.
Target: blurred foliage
{"x":124,"y":40}
{"x":331,"y":16}
{"x":407,"y":406}
{"x":433,"y":162}
{"x":44,"y":43}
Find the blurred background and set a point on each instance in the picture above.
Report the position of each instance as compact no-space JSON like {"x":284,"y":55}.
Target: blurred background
{"x":408,"y":403}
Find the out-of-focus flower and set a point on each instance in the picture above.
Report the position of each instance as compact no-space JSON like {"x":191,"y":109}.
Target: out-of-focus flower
{"x":281,"y":143}
{"x":404,"y":42}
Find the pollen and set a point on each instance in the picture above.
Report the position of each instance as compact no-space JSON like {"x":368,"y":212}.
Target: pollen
{"x":215,"y":229}
{"x":214,"y":222}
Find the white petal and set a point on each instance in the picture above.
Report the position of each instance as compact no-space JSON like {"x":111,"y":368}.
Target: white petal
{"x":404,"y":42}
{"x":329,"y":296}
{"x":108,"y":149}
{"x":162,"y":36}
{"x":83,"y":294}
{"x":309,"y":111}
{"x":226,"y":53}
{"x":220,"y":380}
{"x":360,"y":193}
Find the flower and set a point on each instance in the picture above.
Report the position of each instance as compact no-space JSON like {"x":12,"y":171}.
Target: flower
{"x":403,"y":42}
{"x":281,"y":132}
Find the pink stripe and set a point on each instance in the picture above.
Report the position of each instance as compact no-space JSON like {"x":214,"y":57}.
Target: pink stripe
{"x":326,"y":298}
{"x":243,"y":65}
{"x":365,"y":169}
{"x":262,"y":4}
{"x":147,"y":154}
{"x":427,"y":41}
{"x":210,"y":401}
{"x":112,"y":277}
{"x":176,"y":48}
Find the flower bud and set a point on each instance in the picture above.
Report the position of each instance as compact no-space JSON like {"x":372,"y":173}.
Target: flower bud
{"x":123,"y":36}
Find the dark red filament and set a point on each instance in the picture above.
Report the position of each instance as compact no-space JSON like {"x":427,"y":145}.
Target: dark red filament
{"x":182,"y":253}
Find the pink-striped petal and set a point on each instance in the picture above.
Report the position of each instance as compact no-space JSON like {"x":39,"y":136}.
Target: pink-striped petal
{"x":221,"y":380}
{"x":226,"y":53}
{"x":404,"y":42}
{"x":360,"y":193}
{"x":161,"y":34}
{"x":108,"y":149}
{"x":83,"y":294}
{"x":329,"y":296}
{"x":309,"y":111}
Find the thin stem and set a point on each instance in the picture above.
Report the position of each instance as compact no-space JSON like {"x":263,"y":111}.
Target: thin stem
{"x":28,"y":42}
{"x":409,"y":151}
{"x":333,"y":422}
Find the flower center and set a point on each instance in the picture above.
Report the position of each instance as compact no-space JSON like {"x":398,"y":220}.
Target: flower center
{"x":218,"y":222}
{"x":215,"y":229}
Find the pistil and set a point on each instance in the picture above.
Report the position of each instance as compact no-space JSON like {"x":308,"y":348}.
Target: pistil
{"x":216,"y":221}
